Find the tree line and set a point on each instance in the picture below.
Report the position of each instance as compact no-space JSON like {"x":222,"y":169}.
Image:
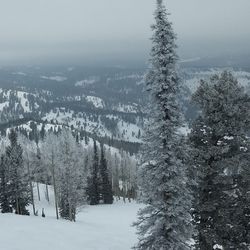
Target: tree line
{"x":78,"y":173}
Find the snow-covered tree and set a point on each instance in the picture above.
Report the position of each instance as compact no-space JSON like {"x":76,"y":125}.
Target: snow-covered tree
{"x":4,"y":186}
{"x":165,"y":222}
{"x":69,"y":178}
{"x":221,"y":156}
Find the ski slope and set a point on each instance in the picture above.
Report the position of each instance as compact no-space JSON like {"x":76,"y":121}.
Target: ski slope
{"x":102,"y":227}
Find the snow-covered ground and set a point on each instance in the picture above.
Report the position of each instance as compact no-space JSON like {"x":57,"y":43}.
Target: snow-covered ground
{"x":125,"y":130}
{"x":103,"y":227}
{"x":55,"y":78}
{"x":96,"y":101}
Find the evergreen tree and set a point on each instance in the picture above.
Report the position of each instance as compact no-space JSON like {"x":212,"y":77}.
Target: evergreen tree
{"x":221,"y":157}
{"x":4,"y":187}
{"x":18,"y":176}
{"x":106,"y":186}
{"x":42,"y":132}
{"x":165,"y":222}
{"x":93,"y":188}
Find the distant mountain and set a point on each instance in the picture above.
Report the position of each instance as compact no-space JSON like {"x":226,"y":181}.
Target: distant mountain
{"x":107,"y":103}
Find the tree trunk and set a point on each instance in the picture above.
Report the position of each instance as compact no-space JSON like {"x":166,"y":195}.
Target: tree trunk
{"x":47,"y":193}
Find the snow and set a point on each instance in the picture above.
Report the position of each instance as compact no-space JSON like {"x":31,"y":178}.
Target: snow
{"x":216,"y":246}
{"x":48,"y":126}
{"x":185,"y":130}
{"x":55,"y":78}
{"x":96,"y":101}
{"x":126,"y":108}
{"x":128,"y":131}
{"x":102,"y":227}
{"x":21,"y":96}
{"x":4,"y":104}
{"x":125,"y":131}
{"x":85,"y":82}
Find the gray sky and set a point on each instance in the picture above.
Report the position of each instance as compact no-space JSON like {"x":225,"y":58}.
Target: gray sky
{"x":34,"y":30}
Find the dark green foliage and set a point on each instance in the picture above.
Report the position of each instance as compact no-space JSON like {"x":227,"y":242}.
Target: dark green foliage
{"x":106,"y":186}
{"x":221,"y":158}
{"x":4,"y":187}
{"x":93,"y":187}
{"x":19,"y":192}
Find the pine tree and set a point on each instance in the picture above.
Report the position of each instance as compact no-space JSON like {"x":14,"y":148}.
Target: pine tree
{"x":221,"y":155}
{"x":106,"y":186}
{"x":18,"y":176}
{"x":42,"y":132}
{"x":28,"y":158}
{"x":93,"y":188}
{"x":4,"y":187}
{"x":165,"y":222}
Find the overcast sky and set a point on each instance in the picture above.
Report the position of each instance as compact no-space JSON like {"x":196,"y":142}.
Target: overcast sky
{"x":35,"y":30}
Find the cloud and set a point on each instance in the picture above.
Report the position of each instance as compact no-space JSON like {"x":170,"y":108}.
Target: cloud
{"x":35,"y":29}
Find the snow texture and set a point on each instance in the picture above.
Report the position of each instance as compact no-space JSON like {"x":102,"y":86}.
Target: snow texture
{"x":102,"y":227}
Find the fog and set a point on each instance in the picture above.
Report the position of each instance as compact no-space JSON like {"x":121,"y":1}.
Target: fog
{"x":35,"y":31}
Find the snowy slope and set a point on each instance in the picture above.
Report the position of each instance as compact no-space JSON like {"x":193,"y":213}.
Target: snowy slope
{"x":21,"y":99}
{"x":124,"y":130}
{"x":96,"y":101}
{"x":103,"y":227}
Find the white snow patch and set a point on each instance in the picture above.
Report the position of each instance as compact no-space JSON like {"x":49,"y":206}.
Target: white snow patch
{"x":55,"y":78}
{"x":96,"y":101}
{"x":24,"y":103}
{"x":184,"y":130}
{"x":85,"y":82}
{"x":3,"y":105}
{"x":102,"y":227}
{"x":217,"y":246}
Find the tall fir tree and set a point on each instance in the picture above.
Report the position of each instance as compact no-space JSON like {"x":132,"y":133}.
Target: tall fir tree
{"x":165,"y":222}
{"x":93,"y":187}
{"x":18,"y":176}
{"x":106,"y":186}
{"x":221,"y":158}
{"x":4,"y":187}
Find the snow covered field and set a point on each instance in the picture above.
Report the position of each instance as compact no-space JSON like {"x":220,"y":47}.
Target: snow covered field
{"x":103,"y":227}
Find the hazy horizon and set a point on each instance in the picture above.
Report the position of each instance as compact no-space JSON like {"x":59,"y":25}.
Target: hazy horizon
{"x":82,"y":30}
